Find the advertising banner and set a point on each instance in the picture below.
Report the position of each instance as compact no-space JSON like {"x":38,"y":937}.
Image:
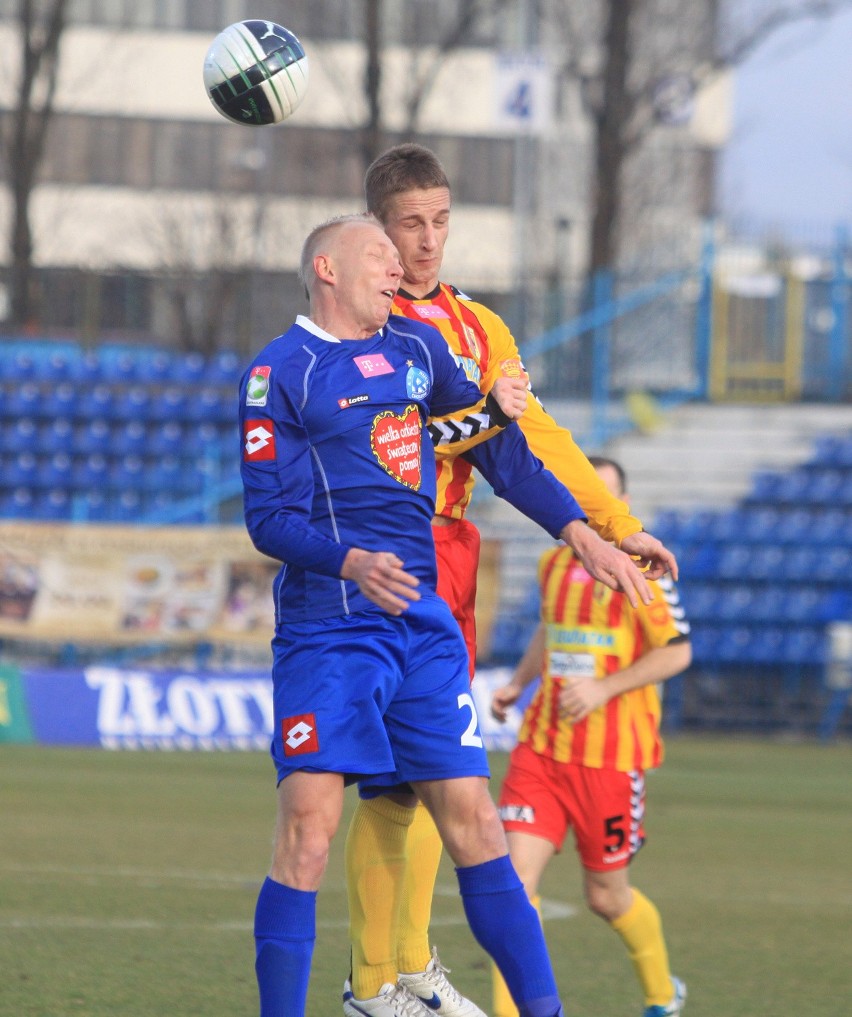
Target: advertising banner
{"x":117,"y":708}
{"x":125,"y":585}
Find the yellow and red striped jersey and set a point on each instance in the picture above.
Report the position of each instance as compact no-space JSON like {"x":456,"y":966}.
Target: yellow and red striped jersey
{"x":486,"y":349}
{"x":592,"y":631}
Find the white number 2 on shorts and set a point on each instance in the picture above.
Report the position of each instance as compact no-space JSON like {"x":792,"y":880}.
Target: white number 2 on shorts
{"x":470,"y":737}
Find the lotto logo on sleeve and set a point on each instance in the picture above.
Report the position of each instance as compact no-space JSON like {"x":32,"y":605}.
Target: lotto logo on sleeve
{"x":299,"y":734}
{"x":258,"y":441}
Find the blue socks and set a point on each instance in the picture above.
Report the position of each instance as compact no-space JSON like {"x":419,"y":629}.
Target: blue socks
{"x":507,"y":927}
{"x":284,"y":932}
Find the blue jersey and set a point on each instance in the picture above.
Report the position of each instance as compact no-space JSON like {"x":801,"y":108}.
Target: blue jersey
{"x":336,"y":455}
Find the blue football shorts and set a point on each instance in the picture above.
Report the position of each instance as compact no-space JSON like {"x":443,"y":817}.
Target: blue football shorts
{"x":373,"y":694}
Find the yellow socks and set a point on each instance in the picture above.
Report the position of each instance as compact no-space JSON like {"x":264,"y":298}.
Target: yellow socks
{"x":424,"y":857}
{"x":641,"y":930}
{"x":375,"y":859}
{"x":504,"y":1005}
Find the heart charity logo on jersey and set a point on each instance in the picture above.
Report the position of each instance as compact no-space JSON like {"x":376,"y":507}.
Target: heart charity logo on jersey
{"x":395,"y":442}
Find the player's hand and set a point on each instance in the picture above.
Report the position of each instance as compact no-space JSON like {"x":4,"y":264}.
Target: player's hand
{"x":381,"y":578}
{"x":502,"y":699}
{"x":578,"y":697}
{"x":655,"y":559}
{"x":511,"y":396}
{"x":606,"y":563}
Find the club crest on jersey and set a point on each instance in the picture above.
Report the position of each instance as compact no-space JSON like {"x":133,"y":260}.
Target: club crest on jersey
{"x":513,"y":368}
{"x":395,"y":442}
{"x":472,"y":341}
{"x":257,"y":387}
{"x":345,"y":403}
{"x":299,"y":734}
{"x":416,"y":383}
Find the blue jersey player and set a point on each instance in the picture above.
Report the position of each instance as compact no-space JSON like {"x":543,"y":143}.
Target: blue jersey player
{"x":370,"y":671}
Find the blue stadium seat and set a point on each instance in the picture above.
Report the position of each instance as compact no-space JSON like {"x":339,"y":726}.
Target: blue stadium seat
{"x":735,"y":603}
{"x":117,"y":367}
{"x":164,"y":438}
{"x":826,"y":487}
{"x":53,"y":505}
{"x":19,"y":435}
{"x":768,"y":604}
{"x":765,"y":645}
{"x":127,"y":473}
{"x":21,"y":471}
{"x":224,"y":368}
{"x":795,"y":488}
{"x":132,"y":403}
{"x":130,"y":438}
{"x":765,"y":486}
{"x":707,"y":641}
{"x":735,"y":644}
{"x":17,"y":503}
{"x":765,"y":562}
{"x":92,"y":437}
{"x":760,"y":522}
{"x":91,"y":506}
{"x":126,"y":507}
{"x":803,"y":604}
{"x":168,"y":404}
{"x":734,"y":561}
{"x":728,"y":527}
{"x":804,"y":645}
{"x":90,"y":473}
{"x":700,"y":601}
{"x":188,"y":369}
{"x":95,"y":401}
{"x":85,"y":369}
{"x":208,"y":405}
{"x":794,"y":526}
{"x":23,"y":401}
{"x":834,"y":564}
{"x":155,"y":368}
{"x":54,"y":471}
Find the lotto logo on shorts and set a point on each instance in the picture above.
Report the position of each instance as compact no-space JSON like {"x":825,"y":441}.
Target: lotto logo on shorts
{"x":299,"y":734}
{"x":258,"y":441}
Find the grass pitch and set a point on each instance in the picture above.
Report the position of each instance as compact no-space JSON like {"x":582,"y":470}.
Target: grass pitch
{"x":128,"y":882}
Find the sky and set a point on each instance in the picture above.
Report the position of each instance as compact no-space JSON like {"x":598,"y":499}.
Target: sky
{"x":788,"y":163}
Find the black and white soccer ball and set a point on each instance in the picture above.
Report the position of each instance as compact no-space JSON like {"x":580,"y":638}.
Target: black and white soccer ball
{"x":256,"y":73}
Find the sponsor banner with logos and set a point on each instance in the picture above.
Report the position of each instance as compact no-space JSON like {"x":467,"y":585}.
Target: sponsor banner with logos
{"x":124,"y":585}
{"x":167,"y":710}
{"x":119,"y":708}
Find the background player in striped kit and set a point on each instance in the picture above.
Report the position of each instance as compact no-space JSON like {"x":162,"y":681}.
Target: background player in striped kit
{"x":408,"y":190}
{"x":587,"y":738}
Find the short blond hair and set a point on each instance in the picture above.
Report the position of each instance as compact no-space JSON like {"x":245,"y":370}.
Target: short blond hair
{"x":319,"y":234}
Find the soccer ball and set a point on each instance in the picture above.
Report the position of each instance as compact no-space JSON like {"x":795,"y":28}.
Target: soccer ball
{"x":256,"y":73}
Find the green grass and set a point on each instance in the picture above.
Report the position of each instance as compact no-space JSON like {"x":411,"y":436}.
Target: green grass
{"x":128,"y":881}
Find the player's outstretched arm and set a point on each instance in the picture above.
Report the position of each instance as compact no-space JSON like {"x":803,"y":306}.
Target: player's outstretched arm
{"x":381,"y":578}
{"x":606,"y":563}
{"x":653,"y":555}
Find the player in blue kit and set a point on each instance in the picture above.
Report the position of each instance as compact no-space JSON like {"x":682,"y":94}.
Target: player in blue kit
{"x":370,"y":671}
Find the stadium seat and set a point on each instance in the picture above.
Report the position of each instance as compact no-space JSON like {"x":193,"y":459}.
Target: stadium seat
{"x":53,"y":505}
{"x":168,"y":404}
{"x":54,"y":471}
{"x":734,"y":561}
{"x":154,"y":369}
{"x":21,"y":471}
{"x":224,"y":368}
{"x":804,"y":645}
{"x":735,"y":603}
{"x":802,"y":604}
{"x":826,"y":487}
{"x":164,"y":438}
{"x":765,"y":562}
{"x":21,"y":435}
{"x":126,"y":507}
{"x":127,"y":474}
{"x":735,"y":644}
{"x":128,"y":438}
{"x":17,"y":503}
{"x":92,"y":437}
{"x":794,"y":526}
{"x":132,"y":404}
{"x":207,"y":405}
{"x":765,"y":645}
{"x":91,"y":506}
{"x":90,"y":473}
{"x":765,"y":487}
{"x":96,"y":401}
{"x":188,"y":369}
{"x":22,"y":401}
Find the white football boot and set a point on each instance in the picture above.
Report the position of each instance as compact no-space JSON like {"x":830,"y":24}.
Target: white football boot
{"x":392,"y":1001}
{"x":435,"y":992}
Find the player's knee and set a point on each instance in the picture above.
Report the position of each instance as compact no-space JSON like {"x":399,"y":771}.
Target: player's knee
{"x":604,"y":901}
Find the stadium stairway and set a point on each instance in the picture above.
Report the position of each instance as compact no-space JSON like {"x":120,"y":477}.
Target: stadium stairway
{"x":703,"y":463}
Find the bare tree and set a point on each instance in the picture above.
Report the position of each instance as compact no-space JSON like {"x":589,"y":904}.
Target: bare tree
{"x":623,"y":95}
{"x":23,"y":133}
